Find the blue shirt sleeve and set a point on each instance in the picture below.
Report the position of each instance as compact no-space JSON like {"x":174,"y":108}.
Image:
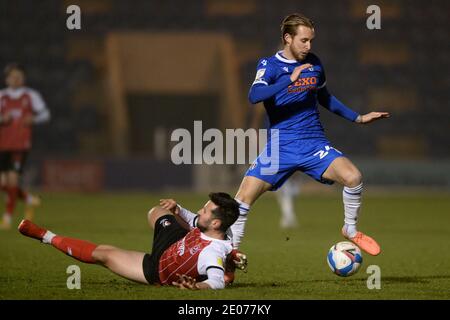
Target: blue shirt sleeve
{"x":265,"y":74}
{"x":330,"y":102}
{"x":264,"y":86}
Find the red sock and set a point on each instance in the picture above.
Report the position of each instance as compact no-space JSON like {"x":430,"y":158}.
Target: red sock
{"x":12,"y":199}
{"x":78,"y":249}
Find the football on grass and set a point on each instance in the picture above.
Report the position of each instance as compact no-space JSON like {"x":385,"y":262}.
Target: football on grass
{"x":344,"y":258}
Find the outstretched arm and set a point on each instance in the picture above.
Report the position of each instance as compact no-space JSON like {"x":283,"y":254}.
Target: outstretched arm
{"x":330,"y":102}
{"x":372,"y":116}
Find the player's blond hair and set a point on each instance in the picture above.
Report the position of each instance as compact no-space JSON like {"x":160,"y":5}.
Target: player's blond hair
{"x":291,"y":22}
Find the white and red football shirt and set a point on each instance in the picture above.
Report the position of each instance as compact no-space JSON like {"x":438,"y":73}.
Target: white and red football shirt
{"x":19,"y":104}
{"x":193,"y":256}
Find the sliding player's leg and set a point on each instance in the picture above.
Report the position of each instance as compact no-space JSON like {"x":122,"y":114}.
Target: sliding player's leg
{"x":125,"y":263}
{"x":155,"y":213}
{"x":343,"y":171}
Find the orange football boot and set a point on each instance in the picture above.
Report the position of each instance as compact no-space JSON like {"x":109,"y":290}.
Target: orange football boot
{"x":364,"y":242}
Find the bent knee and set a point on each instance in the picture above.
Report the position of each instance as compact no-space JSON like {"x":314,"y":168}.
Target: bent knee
{"x":352,"y":178}
{"x":152,"y":211}
{"x":155,"y":213}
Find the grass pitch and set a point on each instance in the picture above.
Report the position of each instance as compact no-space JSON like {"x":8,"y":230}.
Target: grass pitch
{"x":413,"y":231}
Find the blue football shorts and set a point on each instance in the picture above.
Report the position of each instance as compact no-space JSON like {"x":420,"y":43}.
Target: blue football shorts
{"x":311,"y":156}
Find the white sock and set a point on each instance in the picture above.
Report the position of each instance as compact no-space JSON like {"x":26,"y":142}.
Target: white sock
{"x":352,"y":205}
{"x":238,"y":227}
{"x":48,"y":237}
{"x":29,"y":199}
{"x":286,"y":201}
{"x":7,"y":217}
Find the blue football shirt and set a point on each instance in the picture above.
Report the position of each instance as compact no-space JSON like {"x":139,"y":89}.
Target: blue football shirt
{"x":294,"y":109}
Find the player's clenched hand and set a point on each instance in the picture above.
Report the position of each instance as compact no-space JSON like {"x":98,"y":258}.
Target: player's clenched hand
{"x":296,"y":73}
{"x":372,"y":116}
{"x":185,"y":282}
{"x":169,"y":204}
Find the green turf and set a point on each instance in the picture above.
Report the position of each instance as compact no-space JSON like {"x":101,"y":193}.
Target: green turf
{"x":413,"y":230}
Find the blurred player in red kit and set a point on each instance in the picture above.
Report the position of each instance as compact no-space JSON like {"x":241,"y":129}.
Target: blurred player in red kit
{"x":20,"y":108}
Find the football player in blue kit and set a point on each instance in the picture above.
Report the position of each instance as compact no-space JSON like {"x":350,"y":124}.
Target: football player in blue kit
{"x":291,"y":84}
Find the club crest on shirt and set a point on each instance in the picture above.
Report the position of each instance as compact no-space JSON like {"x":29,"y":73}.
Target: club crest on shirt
{"x":194,"y":250}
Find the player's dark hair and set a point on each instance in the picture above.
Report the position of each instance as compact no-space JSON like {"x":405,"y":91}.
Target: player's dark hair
{"x":291,"y":22}
{"x":227,"y":210}
{"x":11,"y":67}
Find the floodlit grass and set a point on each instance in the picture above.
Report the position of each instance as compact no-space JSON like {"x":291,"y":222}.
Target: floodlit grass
{"x":413,"y":231}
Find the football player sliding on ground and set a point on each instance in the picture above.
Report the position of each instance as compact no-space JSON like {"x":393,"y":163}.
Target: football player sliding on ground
{"x":190,"y":251}
{"x":291,"y":84}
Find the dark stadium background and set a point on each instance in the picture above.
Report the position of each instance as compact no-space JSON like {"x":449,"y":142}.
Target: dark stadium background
{"x":92,"y":144}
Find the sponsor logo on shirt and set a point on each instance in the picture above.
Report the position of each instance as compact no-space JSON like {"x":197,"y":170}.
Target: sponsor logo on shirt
{"x":180,"y":249}
{"x":303,"y":84}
